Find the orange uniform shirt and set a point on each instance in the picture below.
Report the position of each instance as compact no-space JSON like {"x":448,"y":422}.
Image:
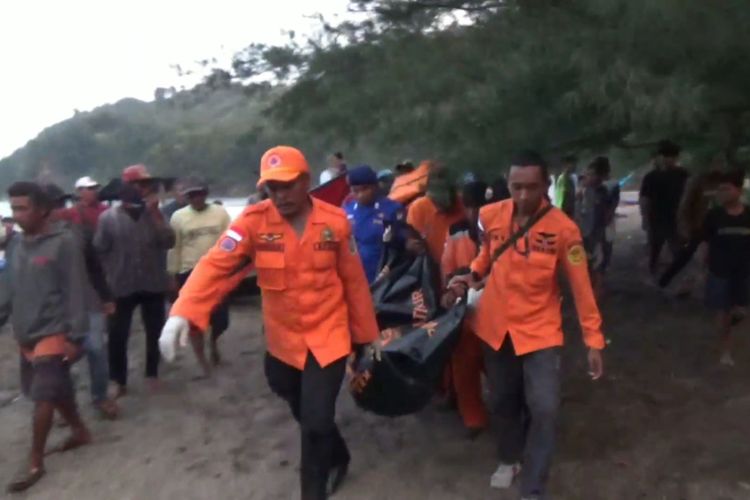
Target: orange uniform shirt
{"x":432,"y":224}
{"x":460,"y":250}
{"x":522,"y":297}
{"x":315,"y":294}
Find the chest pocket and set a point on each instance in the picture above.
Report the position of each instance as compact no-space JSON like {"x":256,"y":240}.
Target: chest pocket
{"x":271,"y":270}
{"x":369,"y":230}
{"x":324,"y":264}
{"x":544,"y":262}
{"x":495,"y":237}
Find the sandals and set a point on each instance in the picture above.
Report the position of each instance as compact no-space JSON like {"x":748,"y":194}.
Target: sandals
{"x":25,"y":479}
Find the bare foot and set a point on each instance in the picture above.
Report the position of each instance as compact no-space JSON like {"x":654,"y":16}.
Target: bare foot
{"x":25,"y":478}
{"x":120,"y":391}
{"x":108,"y":409}
{"x":79,"y":438}
{"x":726,"y":359}
{"x":154,"y":385}
{"x":206,"y":370}
{"x":215,"y":355}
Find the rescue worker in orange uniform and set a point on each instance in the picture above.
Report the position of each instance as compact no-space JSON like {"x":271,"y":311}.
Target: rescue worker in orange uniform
{"x":432,"y":216}
{"x":464,"y":372}
{"x":520,"y":323}
{"x":316,"y":305}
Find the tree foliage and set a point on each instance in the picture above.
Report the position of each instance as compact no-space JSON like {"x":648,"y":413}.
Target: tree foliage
{"x":472,"y":81}
{"x":217,"y":131}
{"x":468,"y":82}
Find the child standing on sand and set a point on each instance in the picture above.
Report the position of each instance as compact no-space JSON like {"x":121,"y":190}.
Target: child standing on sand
{"x":727,"y":231}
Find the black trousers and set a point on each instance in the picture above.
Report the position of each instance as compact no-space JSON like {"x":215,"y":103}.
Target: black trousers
{"x":153,"y":314}
{"x":681,"y":259}
{"x":311,"y":395}
{"x":659,"y":235}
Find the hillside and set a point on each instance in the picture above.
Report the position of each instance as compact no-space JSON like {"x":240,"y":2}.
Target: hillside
{"x":215,"y":131}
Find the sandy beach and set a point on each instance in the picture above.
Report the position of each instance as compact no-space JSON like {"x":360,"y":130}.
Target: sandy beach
{"x":666,"y":422}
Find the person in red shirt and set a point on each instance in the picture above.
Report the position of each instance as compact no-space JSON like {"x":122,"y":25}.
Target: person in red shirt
{"x":84,"y":217}
{"x":520,"y":323}
{"x":88,"y":208}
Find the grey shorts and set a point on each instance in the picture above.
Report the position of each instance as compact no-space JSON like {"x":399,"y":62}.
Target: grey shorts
{"x":47,"y":378}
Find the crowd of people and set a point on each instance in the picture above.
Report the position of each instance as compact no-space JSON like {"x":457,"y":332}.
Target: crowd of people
{"x":704,"y":213}
{"x":73,"y":278}
{"x":314,"y":261}
{"x":75,"y":275}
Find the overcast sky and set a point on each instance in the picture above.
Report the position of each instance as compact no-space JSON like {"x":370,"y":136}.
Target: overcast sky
{"x":58,"y":56}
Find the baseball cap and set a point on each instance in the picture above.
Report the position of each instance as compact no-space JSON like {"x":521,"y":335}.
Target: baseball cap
{"x":386,"y":173}
{"x":363,"y":175}
{"x":135,"y":173}
{"x":55,"y":194}
{"x":86,"y":182}
{"x":193,"y":185}
{"x":283,"y":164}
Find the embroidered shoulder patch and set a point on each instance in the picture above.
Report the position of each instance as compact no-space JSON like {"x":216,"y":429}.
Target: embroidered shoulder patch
{"x":228,"y":244}
{"x":576,"y":254}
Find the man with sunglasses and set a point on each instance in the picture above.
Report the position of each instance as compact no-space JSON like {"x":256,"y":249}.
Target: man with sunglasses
{"x":197,"y":227}
{"x":520,"y":323}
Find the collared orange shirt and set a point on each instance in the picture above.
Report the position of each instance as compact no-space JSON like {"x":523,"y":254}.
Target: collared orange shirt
{"x":315,"y":294}
{"x":433,"y":224}
{"x":460,"y":250}
{"x":522,"y":297}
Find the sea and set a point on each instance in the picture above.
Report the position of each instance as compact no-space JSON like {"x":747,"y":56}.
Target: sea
{"x":233,"y":205}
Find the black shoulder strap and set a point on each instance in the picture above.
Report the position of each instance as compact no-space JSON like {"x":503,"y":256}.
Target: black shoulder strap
{"x":521,"y":231}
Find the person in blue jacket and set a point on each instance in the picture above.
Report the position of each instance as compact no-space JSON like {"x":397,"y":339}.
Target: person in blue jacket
{"x":370,"y":214}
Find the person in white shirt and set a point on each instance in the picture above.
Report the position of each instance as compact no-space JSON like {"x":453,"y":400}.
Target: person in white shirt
{"x":336,"y":167}
{"x":197,"y":227}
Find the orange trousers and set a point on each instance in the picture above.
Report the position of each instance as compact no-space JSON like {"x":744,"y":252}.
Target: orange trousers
{"x":464,"y":378}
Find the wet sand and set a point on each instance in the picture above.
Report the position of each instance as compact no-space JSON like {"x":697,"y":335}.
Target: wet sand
{"x":665,"y":423}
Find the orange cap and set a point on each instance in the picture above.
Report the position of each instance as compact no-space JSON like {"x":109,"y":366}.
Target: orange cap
{"x":282,"y":163}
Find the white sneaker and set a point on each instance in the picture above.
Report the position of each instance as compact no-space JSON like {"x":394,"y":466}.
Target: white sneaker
{"x":726,"y":360}
{"x":503,"y":476}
